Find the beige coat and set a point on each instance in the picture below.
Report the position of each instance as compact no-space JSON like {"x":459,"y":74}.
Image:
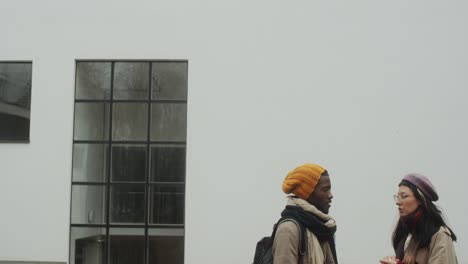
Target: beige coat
{"x":286,"y":243}
{"x":286,"y":246}
{"x":440,"y":250}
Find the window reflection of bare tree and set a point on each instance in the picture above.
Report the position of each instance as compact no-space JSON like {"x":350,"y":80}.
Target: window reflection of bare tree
{"x":157,"y":83}
{"x":169,"y":80}
{"x":93,"y":80}
{"x":131,"y":80}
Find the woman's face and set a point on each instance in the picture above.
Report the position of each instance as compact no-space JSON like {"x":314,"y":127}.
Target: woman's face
{"x":406,"y":201}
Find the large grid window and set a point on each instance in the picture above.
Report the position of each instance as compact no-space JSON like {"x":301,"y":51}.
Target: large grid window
{"x":129,"y":148}
{"x":15,"y":100}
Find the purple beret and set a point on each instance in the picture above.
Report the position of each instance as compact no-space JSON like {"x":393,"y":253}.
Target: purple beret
{"x":423,"y":184}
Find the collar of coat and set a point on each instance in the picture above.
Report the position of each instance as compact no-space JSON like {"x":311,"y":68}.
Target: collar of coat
{"x":296,"y":201}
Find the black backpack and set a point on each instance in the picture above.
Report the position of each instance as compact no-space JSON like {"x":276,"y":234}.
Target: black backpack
{"x":263,"y":251}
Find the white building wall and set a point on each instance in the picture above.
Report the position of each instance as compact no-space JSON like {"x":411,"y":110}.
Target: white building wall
{"x":370,"y":89}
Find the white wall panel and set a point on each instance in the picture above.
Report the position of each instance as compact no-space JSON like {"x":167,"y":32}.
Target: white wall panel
{"x":370,"y":89}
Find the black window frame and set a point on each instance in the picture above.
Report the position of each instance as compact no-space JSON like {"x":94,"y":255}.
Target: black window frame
{"x":149,"y":143}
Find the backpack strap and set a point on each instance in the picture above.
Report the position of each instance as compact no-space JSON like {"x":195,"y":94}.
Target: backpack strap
{"x":302,"y":235}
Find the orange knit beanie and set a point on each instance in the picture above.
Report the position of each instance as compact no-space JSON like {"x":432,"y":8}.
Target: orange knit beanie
{"x":302,"y":180}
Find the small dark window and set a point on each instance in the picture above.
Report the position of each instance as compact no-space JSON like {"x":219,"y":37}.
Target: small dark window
{"x":15,"y":101}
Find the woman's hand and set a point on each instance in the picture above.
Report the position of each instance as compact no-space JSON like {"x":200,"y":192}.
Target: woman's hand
{"x":389,"y":260}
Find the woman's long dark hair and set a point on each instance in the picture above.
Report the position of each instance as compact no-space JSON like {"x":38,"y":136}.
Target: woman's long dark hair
{"x":429,"y":223}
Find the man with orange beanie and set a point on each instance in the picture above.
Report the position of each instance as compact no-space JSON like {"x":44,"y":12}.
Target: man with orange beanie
{"x":309,"y":197}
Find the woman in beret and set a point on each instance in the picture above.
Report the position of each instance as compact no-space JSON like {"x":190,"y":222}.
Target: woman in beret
{"x":421,"y":235}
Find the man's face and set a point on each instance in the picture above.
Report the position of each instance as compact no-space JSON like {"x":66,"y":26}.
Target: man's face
{"x":321,"y":197}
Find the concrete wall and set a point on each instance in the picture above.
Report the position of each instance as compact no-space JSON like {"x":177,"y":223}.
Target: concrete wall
{"x":370,"y":89}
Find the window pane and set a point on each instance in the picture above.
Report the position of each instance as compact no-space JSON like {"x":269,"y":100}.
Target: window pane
{"x":15,"y":100}
{"x":12,"y":127}
{"x":131,"y":80}
{"x":167,"y":163}
{"x":169,"y":80}
{"x":129,"y":121}
{"x":88,"y":206}
{"x":166,"y":247}
{"x":127,"y":203}
{"x":127,"y":246}
{"x":128,"y":163}
{"x":91,"y":121}
{"x":15,"y":84}
{"x":89,"y":162}
{"x":168,"y":122}
{"x":88,"y":245}
{"x":93,"y":80}
{"x":167,"y":204}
